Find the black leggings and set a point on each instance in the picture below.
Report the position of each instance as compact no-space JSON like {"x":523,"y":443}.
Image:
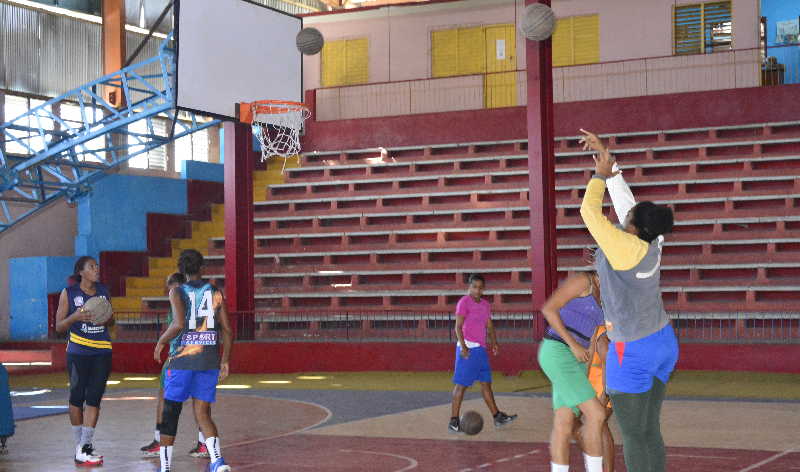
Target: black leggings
{"x":639,"y":417}
{"x":87,"y":378}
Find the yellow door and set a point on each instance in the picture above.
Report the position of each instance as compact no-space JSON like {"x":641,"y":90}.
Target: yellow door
{"x":458,"y":51}
{"x":444,"y":53}
{"x":576,"y":40}
{"x":586,"y":39}
{"x":334,"y":63}
{"x":471,"y":51}
{"x":562,"y":43}
{"x":357,"y":59}
{"x":345,"y":62}
{"x":500,"y":85}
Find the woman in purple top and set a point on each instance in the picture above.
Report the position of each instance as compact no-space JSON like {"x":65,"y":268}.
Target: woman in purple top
{"x":573,"y":313}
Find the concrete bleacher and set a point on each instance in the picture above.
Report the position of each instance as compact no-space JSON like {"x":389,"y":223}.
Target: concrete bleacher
{"x":348,"y":231}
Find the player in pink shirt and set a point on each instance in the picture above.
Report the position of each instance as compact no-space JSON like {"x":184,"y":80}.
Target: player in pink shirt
{"x":473,"y":320}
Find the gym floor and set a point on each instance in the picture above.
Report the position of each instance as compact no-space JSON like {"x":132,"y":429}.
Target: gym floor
{"x":396,"y":422}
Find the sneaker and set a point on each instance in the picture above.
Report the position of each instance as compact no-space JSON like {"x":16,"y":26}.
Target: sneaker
{"x":454,"y":426}
{"x":219,"y":466}
{"x":501,"y":419}
{"x":152,"y":449}
{"x":199,"y":451}
{"x":85,"y":456}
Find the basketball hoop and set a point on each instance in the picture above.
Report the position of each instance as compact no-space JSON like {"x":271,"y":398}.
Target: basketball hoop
{"x":276,"y":125}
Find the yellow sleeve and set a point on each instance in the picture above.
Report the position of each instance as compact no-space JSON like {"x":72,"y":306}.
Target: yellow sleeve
{"x":623,"y":250}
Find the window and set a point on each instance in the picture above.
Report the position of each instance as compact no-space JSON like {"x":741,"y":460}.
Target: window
{"x":27,"y":141}
{"x":345,"y":62}
{"x":70,"y":113}
{"x":155,"y":159}
{"x":702,"y":28}
{"x":192,"y":147}
{"x":576,"y":40}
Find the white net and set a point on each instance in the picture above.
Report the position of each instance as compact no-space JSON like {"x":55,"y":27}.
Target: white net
{"x":277,"y":127}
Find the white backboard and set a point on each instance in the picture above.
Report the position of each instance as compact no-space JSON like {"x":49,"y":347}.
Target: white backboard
{"x":232,"y":51}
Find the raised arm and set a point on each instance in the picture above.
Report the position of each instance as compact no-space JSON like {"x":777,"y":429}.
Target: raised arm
{"x":623,"y":250}
{"x":621,"y":196}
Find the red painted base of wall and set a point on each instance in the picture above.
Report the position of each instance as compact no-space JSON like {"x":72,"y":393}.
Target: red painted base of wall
{"x":659,"y":112}
{"x":257,"y":358}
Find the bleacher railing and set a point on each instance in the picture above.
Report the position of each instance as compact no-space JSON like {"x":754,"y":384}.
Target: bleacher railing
{"x":431,"y":326}
{"x":740,"y":68}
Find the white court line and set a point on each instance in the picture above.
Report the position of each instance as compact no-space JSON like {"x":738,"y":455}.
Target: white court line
{"x":412,"y":464}
{"x":328,"y":416}
{"x":768,"y":460}
{"x":689,"y":456}
{"x":500,"y":461}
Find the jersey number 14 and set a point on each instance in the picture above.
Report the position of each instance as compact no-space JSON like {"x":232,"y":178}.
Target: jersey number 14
{"x":204,"y":310}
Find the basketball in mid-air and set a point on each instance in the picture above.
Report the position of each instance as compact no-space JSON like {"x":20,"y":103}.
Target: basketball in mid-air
{"x":538,"y":22}
{"x":310,"y":41}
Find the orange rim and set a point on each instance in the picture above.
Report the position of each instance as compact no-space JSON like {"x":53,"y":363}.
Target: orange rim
{"x":267,"y":107}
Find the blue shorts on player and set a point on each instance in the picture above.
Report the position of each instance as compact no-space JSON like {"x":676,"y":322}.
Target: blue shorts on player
{"x":475,"y":367}
{"x":631,"y":366}
{"x":179,"y":385}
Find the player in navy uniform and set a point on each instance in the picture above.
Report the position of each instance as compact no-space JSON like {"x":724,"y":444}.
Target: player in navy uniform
{"x":88,"y":356}
{"x":153,"y":449}
{"x":195,"y":369}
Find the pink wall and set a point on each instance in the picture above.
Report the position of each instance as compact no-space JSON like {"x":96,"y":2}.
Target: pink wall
{"x":50,"y":232}
{"x":399,"y":36}
{"x":635,"y":28}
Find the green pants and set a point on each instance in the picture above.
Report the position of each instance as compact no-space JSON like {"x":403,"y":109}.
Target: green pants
{"x":571,"y":386}
{"x":639,"y":417}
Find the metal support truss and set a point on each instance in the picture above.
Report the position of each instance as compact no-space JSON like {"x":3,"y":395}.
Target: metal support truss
{"x":44,"y":157}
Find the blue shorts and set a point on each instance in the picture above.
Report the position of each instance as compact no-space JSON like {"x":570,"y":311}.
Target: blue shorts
{"x":199,"y":384}
{"x":475,"y":367}
{"x":631,"y":366}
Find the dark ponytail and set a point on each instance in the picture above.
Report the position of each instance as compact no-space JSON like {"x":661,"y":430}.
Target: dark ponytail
{"x":80,"y":264}
{"x":651,"y":220}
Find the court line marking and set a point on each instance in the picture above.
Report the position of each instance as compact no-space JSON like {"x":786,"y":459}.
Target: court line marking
{"x":328,"y":416}
{"x":768,"y":460}
{"x":500,"y":461}
{"x":690,"y":456}
{"x":412,"y":463}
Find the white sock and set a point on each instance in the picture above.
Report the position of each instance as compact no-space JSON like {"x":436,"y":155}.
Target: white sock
{"x":77,"y":431}
{"x":558,"y":467}
{"x":212,"y":444}
{"x":156,"y":436}
{"x":200,"y":437}
{"x":87,"y":435}
{"x":166,"y":458}
{"x":593,"y":464}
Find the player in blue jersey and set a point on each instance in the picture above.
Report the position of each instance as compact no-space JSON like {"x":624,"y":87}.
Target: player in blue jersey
{"x":88,"y":356}
{"x":153,"y":448}
{"x":201,"y":324}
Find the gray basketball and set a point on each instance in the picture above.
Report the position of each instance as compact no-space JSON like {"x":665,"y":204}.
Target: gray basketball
{"x":310,"y":41}
{"x":538,"y":22}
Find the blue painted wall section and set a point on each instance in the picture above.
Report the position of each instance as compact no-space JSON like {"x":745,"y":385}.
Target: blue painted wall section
{"x":788,"y":55}
{"x":114,"y":216}
{"x":30,"y":280}
{"x":196,"y":170}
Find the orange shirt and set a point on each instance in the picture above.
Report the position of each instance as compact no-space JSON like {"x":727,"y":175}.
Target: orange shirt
{"x":596,"y":368}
